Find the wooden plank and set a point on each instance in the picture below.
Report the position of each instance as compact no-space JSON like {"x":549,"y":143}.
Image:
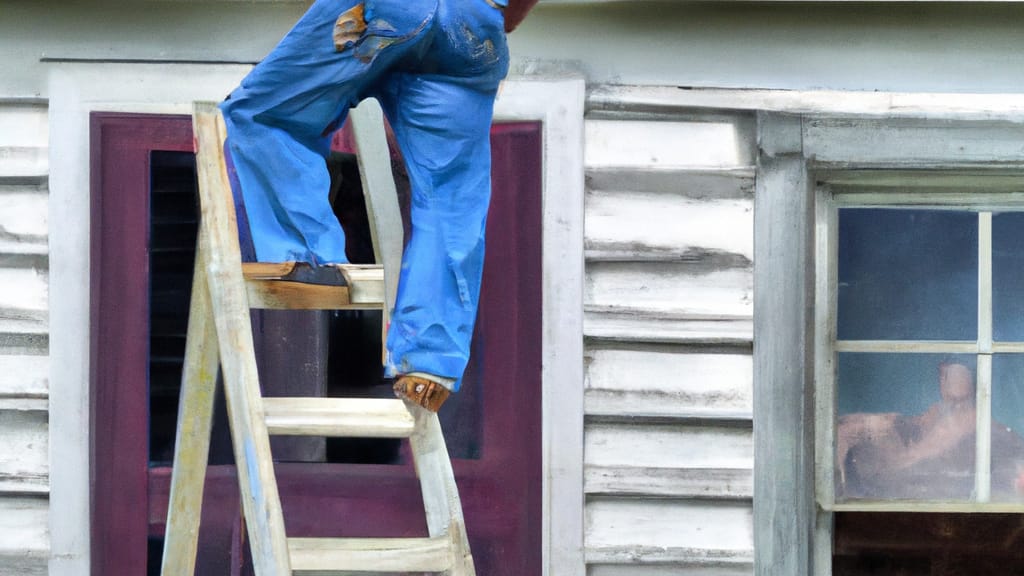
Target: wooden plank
{"x":707,"y":483}
{"x":637,"y":143}
{"x":23,"y":161}
{"x":441,"y":500}
{"x":323,"y":556}
{"x":24,"y":375}
{"x":24,"y":457}
{"x":878,"y":104}
{"x":219,"y":241}
{"x":24,"y":125}
{"x":668,"y":446}
{"x":24,"y":543}
{"x":192,"y":437}
{"x":637,"y":327}
{"x":654,"y":226}
{"x":667,"y":381}
{"x":381,"y":195}
{"x":912,"y":142}
{"x":783,"y":336}
{"x":351,"y":417}
{"x":691,"y":290}
{"x":694,"y":183}
{"x":23,"y":227}
{"x":365,"y":290}
{"x":637,"y":531}
{"x":23,"y":301}
{"x":736,"y":568}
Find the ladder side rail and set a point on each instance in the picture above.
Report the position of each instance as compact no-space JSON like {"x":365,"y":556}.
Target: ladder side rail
{"x":192,"y":442}
{"x":381,"y":196}
{"x":260,"y":499}
{"x":441,"y":500}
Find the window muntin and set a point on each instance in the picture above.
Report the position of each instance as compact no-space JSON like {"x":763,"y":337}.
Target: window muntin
{"x":911,"y":291}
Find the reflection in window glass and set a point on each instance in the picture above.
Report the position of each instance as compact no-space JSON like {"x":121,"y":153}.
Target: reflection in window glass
{"x":1008,"y":277}
{"x":1008,"y":427}
{"x":907,"y":274}
{"x":905,"y":427}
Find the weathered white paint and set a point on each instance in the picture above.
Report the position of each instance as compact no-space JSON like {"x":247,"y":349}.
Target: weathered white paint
{"x":668,"y":381}
{"x":23,"y":301}
{"x":638,"y":225}
{"x":668,"y":446}
{"x":22,"y":220}
{"x":23,"y":548}
{"x":739,"y":569}
{"x":78,"y":89}
{"x":698,"y":184}
{"x":632,"y":327}
{"x":23,"y":452}
{"x":913,"y":143}
{"x":23,"y":375}
{"x":665,"y":144}
{"x":23,"y":126}
{"x":629,"y":531}
{"x":681,"y":289}
{"x":702,"y":483}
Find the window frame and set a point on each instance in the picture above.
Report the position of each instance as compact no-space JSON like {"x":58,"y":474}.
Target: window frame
{"x":796,"y":152}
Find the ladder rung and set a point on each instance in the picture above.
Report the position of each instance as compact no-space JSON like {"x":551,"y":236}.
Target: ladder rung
{"x":268,"y":287}
{"x":337,"y":417}
{"x":324,"y":556}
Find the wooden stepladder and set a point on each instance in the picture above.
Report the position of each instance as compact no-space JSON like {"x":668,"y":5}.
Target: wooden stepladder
{"x":220,"y":334}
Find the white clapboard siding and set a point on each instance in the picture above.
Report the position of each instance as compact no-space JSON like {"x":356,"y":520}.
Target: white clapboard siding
{"x":666,"y":144}
{"x":665,"y":460}
{"x":24,"y":545}
{"x":668,"y":321}
{"x":23,"y":301}
{"x":735,"y":567}
{"x":24,"y":458}
{"x":668,"y":381}
{"x":628,"y":530}
{"x":694,"y":290}
{"x":645,"y":225}
{"x":23,"y":376}
{"x":23,"y":140}
{"x":23,"y":226}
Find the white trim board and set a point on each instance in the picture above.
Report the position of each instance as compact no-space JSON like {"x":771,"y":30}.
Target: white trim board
{"x":813,"y":102}
{"x":79,"y":89}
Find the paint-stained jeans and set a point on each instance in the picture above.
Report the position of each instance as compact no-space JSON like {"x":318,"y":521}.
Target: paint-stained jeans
{"x":435,"y":66}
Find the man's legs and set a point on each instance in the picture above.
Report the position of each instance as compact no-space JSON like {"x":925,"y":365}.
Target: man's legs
{"x":443,"y":129}
{"x":281,"y":118}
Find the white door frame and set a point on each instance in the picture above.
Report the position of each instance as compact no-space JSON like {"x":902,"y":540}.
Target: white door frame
{"x":78,"y":89}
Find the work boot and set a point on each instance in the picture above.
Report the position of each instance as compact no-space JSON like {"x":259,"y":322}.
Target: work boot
{"x":421,"y":391}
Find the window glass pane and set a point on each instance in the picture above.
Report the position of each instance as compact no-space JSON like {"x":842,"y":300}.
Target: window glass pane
{"x":907,"y":274}
{"x":905,"y":426}
{"x":1008,"y":277}
{"x":1008,"y":427}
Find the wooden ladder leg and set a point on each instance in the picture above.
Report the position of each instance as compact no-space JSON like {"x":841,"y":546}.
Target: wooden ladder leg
{"x":440,"y":494}
{"x":192,"y":443}
{"x":261,"y":502}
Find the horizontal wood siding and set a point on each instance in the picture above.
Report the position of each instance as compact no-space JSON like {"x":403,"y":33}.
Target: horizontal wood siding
{"x":24,"y":329}
{"x":668,"y":303}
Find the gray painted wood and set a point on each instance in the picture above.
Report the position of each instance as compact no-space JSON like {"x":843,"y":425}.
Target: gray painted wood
{"x":783,"y":302}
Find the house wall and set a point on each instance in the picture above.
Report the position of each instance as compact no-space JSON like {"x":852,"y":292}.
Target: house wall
{"x":668,"y":325}
{"x":23,"y":339}
{"x":668,"y":228}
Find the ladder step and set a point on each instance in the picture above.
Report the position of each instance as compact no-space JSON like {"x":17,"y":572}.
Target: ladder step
{"x":338,"y":417}
{"x":329,"y":556}
{"x":271,"y":285}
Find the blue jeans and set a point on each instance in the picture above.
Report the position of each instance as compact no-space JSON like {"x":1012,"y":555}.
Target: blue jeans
{"x":435,"y":66}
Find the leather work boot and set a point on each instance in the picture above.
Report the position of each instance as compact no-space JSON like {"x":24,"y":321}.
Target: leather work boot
{"x":421,"y":391}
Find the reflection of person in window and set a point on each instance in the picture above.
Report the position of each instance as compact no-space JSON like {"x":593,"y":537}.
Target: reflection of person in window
{"x":931,"y":455}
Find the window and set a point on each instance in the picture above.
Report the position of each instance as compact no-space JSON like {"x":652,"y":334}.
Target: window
{"x":889,"y":346}
{"x":924,"y":374}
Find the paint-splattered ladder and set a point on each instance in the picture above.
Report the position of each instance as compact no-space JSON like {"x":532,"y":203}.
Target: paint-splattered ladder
{"x":220,"y":334}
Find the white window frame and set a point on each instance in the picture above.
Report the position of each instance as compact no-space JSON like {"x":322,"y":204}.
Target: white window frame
{"x":79,"y":88}
{"x":994,"y":191}
{"x":793,"y":398}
